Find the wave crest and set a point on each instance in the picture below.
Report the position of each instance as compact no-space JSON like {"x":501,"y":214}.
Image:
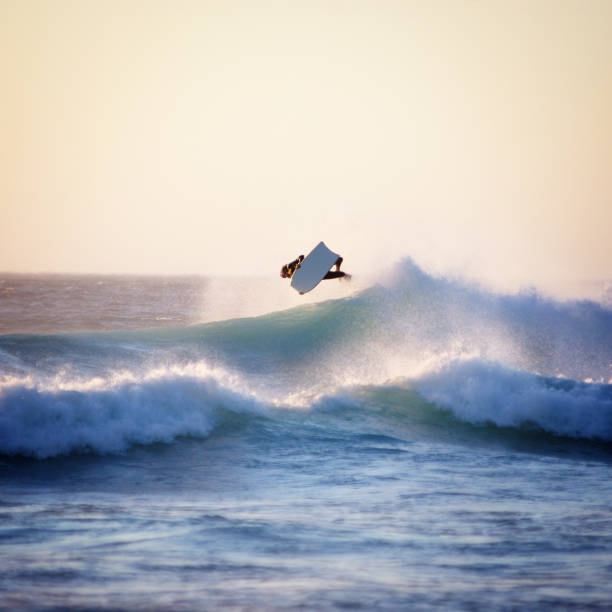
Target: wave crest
{"x":106,"y":416}
{"x":481,"y":392}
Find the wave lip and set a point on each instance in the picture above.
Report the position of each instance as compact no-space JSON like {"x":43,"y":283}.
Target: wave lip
{"x":483,"y":392}
{"x":42,"y":420}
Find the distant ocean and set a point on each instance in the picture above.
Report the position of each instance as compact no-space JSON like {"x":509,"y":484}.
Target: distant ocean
{"x":418,"y":444}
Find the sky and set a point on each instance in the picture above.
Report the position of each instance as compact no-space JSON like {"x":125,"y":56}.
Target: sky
{"x":227,"y":137}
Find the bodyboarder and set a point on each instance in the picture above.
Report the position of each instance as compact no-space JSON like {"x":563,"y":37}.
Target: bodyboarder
{"x":288,"y":270}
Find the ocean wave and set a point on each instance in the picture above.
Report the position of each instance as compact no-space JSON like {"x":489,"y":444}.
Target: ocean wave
{"x":52,"y":417}
{"x":406,"y":324}
{"x":487,"y":393}
{"x":474,"y":400}
{"x":486,"y":357}
{"x":411,"y":322}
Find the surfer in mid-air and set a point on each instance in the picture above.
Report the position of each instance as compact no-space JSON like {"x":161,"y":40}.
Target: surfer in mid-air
{"x":288,"y":270}
{"x":307,"y":272}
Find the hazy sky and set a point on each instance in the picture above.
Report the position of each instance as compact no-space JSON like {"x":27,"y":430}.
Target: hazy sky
{"x":222,"y":137}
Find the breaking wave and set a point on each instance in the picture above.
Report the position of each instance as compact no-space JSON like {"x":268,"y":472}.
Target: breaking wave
{"x":108,"y":416}
{"x":521,"y":361}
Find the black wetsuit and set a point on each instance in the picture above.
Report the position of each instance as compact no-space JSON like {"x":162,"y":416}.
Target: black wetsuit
{"x":335,"y":274}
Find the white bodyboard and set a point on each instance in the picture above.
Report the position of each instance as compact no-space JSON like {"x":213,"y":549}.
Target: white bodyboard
{"x":314,"y":267}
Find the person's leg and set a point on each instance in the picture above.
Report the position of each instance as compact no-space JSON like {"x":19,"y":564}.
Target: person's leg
{"x":331,"y":275}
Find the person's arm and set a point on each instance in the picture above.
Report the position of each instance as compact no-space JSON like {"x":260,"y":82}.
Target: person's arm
{"x":297,"y":264}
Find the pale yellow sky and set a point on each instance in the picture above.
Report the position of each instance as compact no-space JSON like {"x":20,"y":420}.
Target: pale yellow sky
{"x":227,"y":137}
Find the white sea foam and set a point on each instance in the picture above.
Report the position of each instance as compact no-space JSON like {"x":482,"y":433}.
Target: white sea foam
{"x":482,"y":392}
{"x":49,"y":417}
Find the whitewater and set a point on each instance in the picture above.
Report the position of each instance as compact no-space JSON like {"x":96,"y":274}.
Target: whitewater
{"x":418,"y":442}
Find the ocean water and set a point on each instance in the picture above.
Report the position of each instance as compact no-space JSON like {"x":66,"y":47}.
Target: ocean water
{"x":203,"y":444}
